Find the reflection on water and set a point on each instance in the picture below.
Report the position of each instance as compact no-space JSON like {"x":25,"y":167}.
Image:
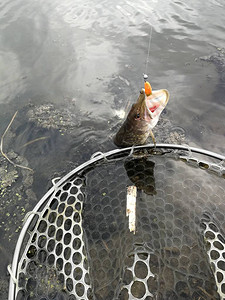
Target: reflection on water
{"x":141,"y":173}
{"x":87,"y":58}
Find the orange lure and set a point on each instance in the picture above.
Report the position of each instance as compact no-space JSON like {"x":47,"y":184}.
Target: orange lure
{"x":148,"y":89}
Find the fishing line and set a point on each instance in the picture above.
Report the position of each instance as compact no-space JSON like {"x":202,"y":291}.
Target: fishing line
{"x":149,"y":47}
{"x":148,"y":88}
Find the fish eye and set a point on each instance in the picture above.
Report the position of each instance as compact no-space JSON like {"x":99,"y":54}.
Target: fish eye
{"x":137,"y":116}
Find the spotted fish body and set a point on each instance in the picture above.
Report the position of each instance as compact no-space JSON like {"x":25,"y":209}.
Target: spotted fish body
{"x":142,"y":118}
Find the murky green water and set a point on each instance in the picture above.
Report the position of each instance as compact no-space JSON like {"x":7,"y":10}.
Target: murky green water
{"x":75,"y":64}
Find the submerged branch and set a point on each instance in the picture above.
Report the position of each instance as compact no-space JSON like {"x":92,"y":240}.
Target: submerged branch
{"x":36,"y":140}
{"x":2,"y":142}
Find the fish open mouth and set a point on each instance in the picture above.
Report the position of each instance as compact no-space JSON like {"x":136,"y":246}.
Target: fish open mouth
{"x":156,"y":102}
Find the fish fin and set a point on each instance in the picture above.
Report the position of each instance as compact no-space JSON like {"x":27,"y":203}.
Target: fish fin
{"x":153,"y":137}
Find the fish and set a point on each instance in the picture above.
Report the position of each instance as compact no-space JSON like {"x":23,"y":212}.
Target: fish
{"x":142,"y":118}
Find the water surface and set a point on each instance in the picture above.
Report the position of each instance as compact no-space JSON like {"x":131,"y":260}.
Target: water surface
{"x":86,"y":59}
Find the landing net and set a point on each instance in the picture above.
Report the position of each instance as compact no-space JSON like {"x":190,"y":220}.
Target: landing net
{"x":77,"y":244}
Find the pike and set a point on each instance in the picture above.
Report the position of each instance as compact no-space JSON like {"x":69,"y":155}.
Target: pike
{"x":142,"y":118}
{"x":144,"y":114}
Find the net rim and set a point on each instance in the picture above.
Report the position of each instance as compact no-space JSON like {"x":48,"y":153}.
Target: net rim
{"x":98,"y":156}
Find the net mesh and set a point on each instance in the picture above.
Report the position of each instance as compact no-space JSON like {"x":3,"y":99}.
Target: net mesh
{"x":79,"y":246}
{"x":54,"y":263}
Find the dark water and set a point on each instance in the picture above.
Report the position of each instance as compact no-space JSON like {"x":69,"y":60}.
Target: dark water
{"x":86,"y":58}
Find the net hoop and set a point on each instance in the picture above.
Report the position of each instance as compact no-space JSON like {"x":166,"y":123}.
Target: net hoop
{"x":179,"y":152}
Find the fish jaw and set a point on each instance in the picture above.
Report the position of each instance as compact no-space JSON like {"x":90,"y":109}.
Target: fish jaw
{"x":155,"y":104}
{"x":143,"y":116}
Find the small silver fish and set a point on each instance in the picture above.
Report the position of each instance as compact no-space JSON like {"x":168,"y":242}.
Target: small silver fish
{"x":142,"y":118}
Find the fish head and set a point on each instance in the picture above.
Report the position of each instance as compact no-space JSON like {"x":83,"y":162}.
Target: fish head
{"x":138,"y":112}
{"x":143,"y":116}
